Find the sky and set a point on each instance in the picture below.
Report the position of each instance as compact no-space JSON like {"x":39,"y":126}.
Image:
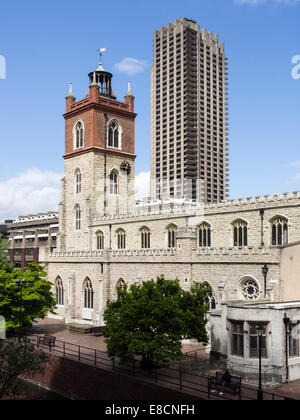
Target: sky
{"x":47,"y":45}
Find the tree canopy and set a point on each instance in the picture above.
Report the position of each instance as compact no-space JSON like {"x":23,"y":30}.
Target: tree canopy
{"x":37,"y":298}
{"x":152,"y":319}
{"x":17,"y":358}
{"x":4,"y":246}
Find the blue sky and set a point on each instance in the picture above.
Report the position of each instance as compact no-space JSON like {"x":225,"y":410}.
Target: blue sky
{"x":48,"y":44}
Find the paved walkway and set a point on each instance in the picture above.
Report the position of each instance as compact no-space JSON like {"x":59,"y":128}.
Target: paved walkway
{"x":61,"y":331}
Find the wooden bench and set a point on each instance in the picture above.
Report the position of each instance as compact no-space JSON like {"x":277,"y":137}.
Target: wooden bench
{"x":47,"y":340}
{"x":234,"y":384}
{"x":97,"y":331}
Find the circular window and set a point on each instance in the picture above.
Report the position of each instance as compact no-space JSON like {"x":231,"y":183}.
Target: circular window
{"x":250,"y":289}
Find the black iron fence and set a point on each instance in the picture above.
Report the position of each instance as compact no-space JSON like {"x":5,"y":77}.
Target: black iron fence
{"x":196,"y":385}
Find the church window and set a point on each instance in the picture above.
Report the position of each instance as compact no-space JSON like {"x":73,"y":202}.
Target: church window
{"x":88,"y":295}
{"x":59,"y":291}
{"x":114,"y":135}
{"x":172,"y":239}
{"x":78,"y":134}
{"x":77,"y":218}
{"x":100,"y":240}
{"x":145,"y":238}
{"x":279,"y":231}
{"x":78,"y":181}
{"x":249,"y":289}
{"x":114,"y":183}
{"x":121,"y":235}
{"x":204,"y":235}
{"x":240,"y":233}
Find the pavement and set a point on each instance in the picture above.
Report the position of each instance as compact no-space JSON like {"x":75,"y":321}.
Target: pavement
{"x":60,"y":330}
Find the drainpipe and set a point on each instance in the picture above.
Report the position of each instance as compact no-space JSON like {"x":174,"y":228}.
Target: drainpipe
{"x":286,"y":321}
{"x":105,"y":162}
{"x":262,"y":212}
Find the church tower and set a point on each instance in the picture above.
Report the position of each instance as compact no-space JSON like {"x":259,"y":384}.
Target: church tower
{"x":99,"y":160}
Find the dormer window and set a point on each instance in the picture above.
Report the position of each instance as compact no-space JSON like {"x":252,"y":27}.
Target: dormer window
{"x":114,"y":133}
{"x":78,"y":135}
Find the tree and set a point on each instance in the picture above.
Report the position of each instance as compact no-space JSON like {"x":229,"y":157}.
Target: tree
{"x":37,"y":298}
{"x":4,"y":246}
{"x":152,"y":319}
{"x":17,"y":358}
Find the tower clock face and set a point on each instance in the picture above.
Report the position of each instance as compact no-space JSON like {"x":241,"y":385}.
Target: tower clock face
{"x":125,"y":167}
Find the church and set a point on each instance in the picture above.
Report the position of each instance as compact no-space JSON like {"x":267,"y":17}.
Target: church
{"x":246,"y":250}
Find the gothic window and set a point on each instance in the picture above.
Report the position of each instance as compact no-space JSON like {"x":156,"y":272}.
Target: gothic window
{"x":237,"y":339}
{"x":114,"y":135}
{"x":240,"y":233}
{"x":172,"y":240}
{"x":279,"y":231}
{"x":204,"y":235}
{"x":121,"y":235}
{"x":254,"y":340}
{"x":249,"y":289}
{"x":114,"y":183}
{"x":145,"y":238}
{"x":88,"y":295}
{"x":100,"y":240}
{"x":211,"y":297}
{"x":78,"y":134}
{"x":59,"y":291}
{"x":78,"y":181}
{"x":77,"y":218}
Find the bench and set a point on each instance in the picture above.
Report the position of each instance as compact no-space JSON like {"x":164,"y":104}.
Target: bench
{"x":97,"y":331}
{"x":234,"y":384}
{"x":47,"y":340}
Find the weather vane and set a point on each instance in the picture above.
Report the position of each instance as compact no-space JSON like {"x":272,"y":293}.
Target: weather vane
{"x":101,"y":51}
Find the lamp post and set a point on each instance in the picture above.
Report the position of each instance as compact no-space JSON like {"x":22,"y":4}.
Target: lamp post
{"x":287,"y":323}
{"x":264,"y":271}
{"x":20,"y":284}
{"x":260,"y":392}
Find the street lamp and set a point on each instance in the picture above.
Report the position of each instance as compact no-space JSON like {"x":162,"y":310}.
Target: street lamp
{"x":20,"y":284}
{"x":264,"y":271}
{"x":287,"y":323}
{"x":260,"y":391}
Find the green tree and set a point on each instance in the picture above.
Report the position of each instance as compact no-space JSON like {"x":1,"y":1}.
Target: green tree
{"x":152,"y":319}
{"x":17,"y":359}
{"x":4,"y":246}
{"x":37,"y":298}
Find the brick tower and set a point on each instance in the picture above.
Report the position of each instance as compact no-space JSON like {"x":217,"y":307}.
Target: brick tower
{"x":99,"y":160}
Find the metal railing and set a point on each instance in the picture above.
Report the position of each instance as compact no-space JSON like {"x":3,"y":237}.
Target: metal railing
{"x":197,"y":385}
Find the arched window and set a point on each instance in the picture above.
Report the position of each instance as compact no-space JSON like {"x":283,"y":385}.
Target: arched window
{"x":77,"y":218}
{"x":121,"y":234}
{"x":114,"y":132}
{"x":204,"y":235}
{"x":249,"y":289}
{"x":279,"y":231}
{"x":88,"y":295}
{"x":145,"y":238}
{"x":240,"y":233}
{"x":211,"y":297}
{"x":114,"y":182}
{"x":78,"y":181}
{"x":59,"y":291}
{"x":100,"y":240}
{"x":78,"y":135}
{"x":172,"y":239}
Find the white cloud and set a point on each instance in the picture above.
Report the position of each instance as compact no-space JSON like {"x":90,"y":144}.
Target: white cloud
{"x":32,"y":191}
{"x":294,"y":180}
{"x":142,"y":185}
{"x":295,"y":164}
{"x":131,"y":66}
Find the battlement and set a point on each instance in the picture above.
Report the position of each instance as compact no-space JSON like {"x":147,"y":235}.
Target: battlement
{"x":185,"y":207}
